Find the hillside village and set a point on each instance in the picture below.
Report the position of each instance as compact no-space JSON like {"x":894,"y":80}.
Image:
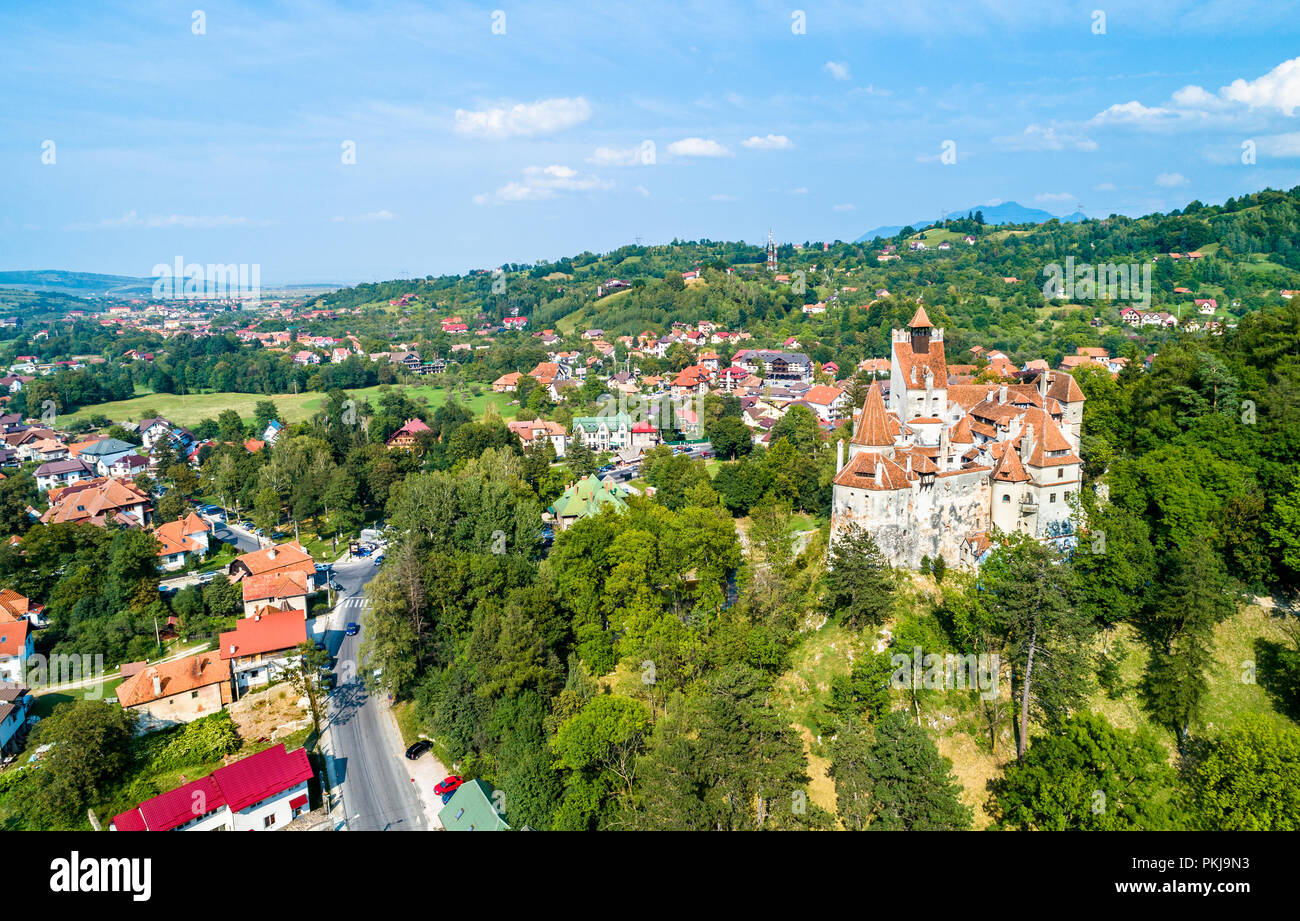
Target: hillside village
{"x":211,"y":499}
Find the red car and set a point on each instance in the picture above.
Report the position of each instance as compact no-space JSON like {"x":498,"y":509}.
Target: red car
{"x":448,"y":785}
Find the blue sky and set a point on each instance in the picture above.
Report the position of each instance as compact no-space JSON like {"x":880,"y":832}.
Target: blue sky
{"x":573,"y":127}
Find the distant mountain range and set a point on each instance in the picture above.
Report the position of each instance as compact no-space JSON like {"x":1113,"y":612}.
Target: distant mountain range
{"x":1007,"y":212}
{"x":82,"y":284}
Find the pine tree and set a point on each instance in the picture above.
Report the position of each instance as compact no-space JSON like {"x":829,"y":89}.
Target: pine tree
{"x":912,"y":785}
{"x":860,"y":581}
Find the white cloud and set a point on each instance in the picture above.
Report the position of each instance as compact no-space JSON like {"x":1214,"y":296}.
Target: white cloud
{"x":697,"y":147}
{"x":1128,"y":113}
{"x":768,"y":142}
{"x":1042,"y":138}
{"x":845,"y":207}
{"x":1171,"y":180}
{"x":546,"y":116}
{"x":131,"y":220}
{"x":1280,"y":145}
{"x":367,"y":218}
{"x":837,"y":69}
{"x":639,"y":155}
{"x":1278,"y":89}
{"x":540,"y":183}
{"x":644,"y":192}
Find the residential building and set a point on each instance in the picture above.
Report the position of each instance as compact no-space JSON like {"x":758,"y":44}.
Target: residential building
{"x":407,"y":437}
{"x":177,"y":691}
{"x":99,"y":501}
{"x":15,"y":702}
{"x":263,"y":792}
{"x":587,"y":497}
{"x":16,"y":648}
{"x":263,"y":647}
{"x":53,"y":474}
{"x":181,"y":541}
{"x":472,"y":808}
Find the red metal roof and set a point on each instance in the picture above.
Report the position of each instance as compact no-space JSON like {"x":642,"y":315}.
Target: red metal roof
{"x":262,"y":775}
{"x":237,"y":785}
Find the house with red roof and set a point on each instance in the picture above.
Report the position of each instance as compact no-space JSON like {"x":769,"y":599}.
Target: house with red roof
{"x":407,"y":436}
{"x":16,"y":648}
{"x":263,"y":792}
{"x":263,"y":647}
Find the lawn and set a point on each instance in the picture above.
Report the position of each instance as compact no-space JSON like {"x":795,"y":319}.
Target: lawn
{"x":190,"y":409}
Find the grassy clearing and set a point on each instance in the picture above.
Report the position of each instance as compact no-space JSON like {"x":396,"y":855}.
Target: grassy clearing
{"x":192,"y":408}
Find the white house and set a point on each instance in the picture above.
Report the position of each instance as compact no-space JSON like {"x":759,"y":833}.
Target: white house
{"x":263,"y":792}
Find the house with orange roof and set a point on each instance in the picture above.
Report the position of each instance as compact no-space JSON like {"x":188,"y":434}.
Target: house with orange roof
{"x":181,"y":541}
{"x":507,"y":383}
{"x":99,"y":501}
{"x":178,"y":691}
{"x":15,"y":606}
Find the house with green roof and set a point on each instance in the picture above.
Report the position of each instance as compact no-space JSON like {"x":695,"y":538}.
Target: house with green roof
{"x":604,"y":433}
{"x":587,"y":497}
{"x":471,"y":809}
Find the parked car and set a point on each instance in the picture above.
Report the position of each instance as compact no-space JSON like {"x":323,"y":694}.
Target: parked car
{"x":418,"y":749}
{"x":379,"y":558}
{"x":448,"y":785}
{"x":353,"y":629}
{"x":446,"y":797}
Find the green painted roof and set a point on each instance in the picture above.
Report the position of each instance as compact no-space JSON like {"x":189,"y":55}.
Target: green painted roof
{"x":613,"y":423}
{"x":471,"y":809}
{"x":587,"y":497}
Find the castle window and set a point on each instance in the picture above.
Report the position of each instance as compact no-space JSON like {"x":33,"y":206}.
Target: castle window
{"x":1051,"y":498}
{"x":1060,"y":474}
{"x":1006,"y":498}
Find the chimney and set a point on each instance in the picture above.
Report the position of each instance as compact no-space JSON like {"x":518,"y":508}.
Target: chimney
{"x":909,"y":465}
{"x":232,"y":649}
{"x":1002,"y":393}
{"x":880,"y":472}
{"x":839,"y":455}
{"x":157,"y":683}
{"x":1027,"y":442}
{"x":270,"y":554}
{"x":1042,"y":385}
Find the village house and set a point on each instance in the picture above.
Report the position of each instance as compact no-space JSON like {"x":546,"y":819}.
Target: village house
{"x":181,"y":541}
{"x":587,"y":497}
{"x":177,"y":691}
{"x":407,"y":438}
{"x":534,"y":429}
{"x":16,"y":647}
{"x":507,"y":383}
{"x":828,"y":403}
{"x":15,"y":606}
{"x":58,"y":473}
{"x":263,"y":647}
{"x":99,"y":501}
{"x":263,"y":792}
{"x":15,"y":702}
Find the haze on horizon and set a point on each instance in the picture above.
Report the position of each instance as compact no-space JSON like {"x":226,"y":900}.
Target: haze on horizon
{"x":133,"y":134}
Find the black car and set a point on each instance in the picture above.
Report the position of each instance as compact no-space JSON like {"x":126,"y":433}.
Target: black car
{"x":418,"y":749}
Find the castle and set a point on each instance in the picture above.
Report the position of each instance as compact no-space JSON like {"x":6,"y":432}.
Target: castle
{"x":933,"y":472}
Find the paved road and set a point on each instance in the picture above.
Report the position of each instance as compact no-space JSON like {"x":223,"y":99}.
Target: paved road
{"x":244,"y":541}
{"x":632,"y":471}
{"x":378,"y":794}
